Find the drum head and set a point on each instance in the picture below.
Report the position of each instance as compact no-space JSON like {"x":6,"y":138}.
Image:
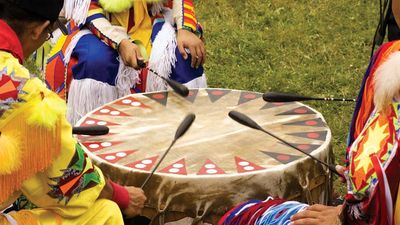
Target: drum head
{"x":143,"y":125}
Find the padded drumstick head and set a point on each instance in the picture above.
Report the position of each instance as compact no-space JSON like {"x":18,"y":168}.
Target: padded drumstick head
{"x":244,"y":120}
{"x":283,"y":97}
{"x":179,"y":88}
{"x":91,"y":130}
{"x":184,"y":126}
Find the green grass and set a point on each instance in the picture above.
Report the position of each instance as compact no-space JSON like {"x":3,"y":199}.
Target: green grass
{"x":310,"y":47}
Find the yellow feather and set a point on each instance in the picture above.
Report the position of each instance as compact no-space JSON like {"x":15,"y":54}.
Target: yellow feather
{"x":46,"y":109}
{"x":10,"y":154}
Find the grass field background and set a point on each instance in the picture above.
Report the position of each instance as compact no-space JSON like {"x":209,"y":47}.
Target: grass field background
{"x":311,"y":47}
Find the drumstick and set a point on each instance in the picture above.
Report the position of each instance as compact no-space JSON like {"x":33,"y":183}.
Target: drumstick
{"x":247,"y":121}
{"x":179,"y":88}
{"x":91,"y":130}
{"x":183,"y":127}
{"x":286,"y":97}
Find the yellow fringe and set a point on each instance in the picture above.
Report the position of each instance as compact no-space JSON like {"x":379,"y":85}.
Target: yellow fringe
{"x":10,"y":153}
{"x":39,"y":144}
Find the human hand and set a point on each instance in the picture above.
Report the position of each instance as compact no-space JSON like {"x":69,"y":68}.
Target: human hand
{"x":187,"y":39}
{"x":130,"y":53}
{"x":340,"y":169}
{"x":318,"y":215}
{"x":137,"y":199}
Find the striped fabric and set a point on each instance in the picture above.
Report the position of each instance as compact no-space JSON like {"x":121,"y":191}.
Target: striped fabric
{"x":189,"y":16}
{"x":102,"y":36}
{"x":96,"y":12}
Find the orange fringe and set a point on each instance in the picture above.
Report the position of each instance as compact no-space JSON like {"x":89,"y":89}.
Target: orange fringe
{"x":39,"y":147}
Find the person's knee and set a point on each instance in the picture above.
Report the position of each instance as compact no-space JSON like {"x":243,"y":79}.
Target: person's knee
{"x":109,"y":210}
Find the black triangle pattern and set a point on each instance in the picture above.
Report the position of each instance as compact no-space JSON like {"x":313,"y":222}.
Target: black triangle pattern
{"x":160,"y":97}
{"x":315,"y":135}
{"x":282,"y":158}
{"x":317,"y":122}
{"x":192,"y":95}
{"x":297,"y":111}
{"x":248,"y":96}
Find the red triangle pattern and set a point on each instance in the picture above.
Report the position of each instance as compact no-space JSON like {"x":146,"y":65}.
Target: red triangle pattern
{"x":131,"y":101}
{"x":95,"y":146}
{"x":109,"y":111}
{"x":210,"y":168}
{"x":8,"y":87}
{"x":91,"y":122}
{"x":116,"y":156}
{"x":244,"y":166}
{"x":178,"y":167}
{"x":144,"y":164}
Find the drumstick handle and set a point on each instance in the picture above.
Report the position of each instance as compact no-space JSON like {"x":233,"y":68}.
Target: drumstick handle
{"x":179,"y":88}
{"x":158,"y":164}
{"x":330,"y":167}
{"x":91,"y":130}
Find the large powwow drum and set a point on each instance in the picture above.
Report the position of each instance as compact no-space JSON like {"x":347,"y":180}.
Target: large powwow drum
{"x":218,"y":163}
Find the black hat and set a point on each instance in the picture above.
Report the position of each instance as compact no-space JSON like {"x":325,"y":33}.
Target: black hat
{"x":46,"y":9}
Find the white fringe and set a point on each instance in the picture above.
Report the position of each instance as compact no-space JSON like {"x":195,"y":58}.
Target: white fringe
{"x":86,"y":95}
{"x":162,"y":56}
{"x":127,"y":78}
{"x":387,"y":81}
{"x":76,"y":10}
{"x":200,"y":82}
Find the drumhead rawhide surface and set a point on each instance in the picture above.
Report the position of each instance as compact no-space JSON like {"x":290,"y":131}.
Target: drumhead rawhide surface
{"x":218,"y":163}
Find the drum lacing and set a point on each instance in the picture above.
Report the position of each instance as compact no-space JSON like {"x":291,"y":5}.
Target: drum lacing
{"x":306,"y":190}
{"x":161,"y":212}
{"x":200,"y":213}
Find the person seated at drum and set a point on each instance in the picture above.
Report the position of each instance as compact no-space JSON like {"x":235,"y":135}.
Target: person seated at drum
{"x":372,"y":171}
{"x":39,"y":156}
{"x":112,"y":36}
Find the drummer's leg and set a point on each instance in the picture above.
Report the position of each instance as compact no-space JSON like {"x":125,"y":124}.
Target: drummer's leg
{"x":94,"y":75}
{"x":103,"y":211}
{"x":184,"y":73}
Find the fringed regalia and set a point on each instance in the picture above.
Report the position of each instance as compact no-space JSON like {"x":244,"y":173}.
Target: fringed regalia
{"x":85,"y":69}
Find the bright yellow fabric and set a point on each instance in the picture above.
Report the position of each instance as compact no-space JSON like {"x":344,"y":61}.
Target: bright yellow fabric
{"x":101,"y":212}
{"x":142,"y":29}
{"x":12,"y":65}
